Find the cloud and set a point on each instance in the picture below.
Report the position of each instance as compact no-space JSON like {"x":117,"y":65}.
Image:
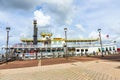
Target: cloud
{"x":94,"y":16}
{"x":69,"y":21}
{"x":93,"y":34}
{"x":18,"y":24}
{"x":19,"y":14}
{"x":79,"y":26}
{"x":60,"y":11}
{"x":18,"y":4}
{"x":42,"y":19}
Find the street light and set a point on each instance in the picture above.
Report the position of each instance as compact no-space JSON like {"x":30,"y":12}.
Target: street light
{"x":7,"y":29}
{"x":99,"y":30}
{"x":66,"y":55}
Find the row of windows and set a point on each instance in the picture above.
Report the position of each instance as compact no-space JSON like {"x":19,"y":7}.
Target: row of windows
{"x":103,"y":49}
{"x":107,"y":49}
{"x":57,"y":42}
{"x":82,"y":50}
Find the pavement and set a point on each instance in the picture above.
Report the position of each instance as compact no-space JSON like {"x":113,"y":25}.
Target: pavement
{"x":91,"y":70}
{"x":75,"y":68}
{"x":44,"y":62}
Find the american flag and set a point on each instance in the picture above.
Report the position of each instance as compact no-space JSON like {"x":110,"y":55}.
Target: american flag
{"x":107,"y":36}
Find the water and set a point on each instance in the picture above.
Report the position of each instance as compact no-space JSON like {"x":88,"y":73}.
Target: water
{"x":2,"y":51}
{"x":0,"y":57}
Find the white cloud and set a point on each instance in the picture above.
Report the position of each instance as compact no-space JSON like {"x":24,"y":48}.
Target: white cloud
{"x":42,"y":19}
{"x":69,"y":21}
{"x":23,"y":35}
{"x":81,"y":37}
{"x":60,"y":3}
{"x":104,"y":37}
{"x":93,"y":34}
{"x":95,"y":16}
{"x":79,"y":26}
{"x":61,"y":11}
{"x":26,"y":5}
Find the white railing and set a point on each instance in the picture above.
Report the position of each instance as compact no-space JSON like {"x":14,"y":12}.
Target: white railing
{"x":69,"y":45}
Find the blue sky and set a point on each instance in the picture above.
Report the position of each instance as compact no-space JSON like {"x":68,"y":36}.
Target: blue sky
{"x":81,"y":17}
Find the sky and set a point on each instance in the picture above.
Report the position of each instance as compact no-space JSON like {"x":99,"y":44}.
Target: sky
{"x":82,"y":18}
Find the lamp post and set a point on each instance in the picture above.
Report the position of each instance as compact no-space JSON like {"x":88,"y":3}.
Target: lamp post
{"x":66,"y":55}
{"x":35,"y":50}
{"x":7,"y":29}
{"x":35,"y":41}
{"x":35,"y":30}
{"x":99,"y":30}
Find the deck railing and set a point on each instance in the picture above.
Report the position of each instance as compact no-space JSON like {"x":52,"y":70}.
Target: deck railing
{"x":69,"y":45}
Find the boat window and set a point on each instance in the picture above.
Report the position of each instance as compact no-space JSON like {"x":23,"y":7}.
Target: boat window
{"x":110,"y":48}
{"x":82,"y":50}
{"x":43,"y":50}
{"x":48,"y":50}
{"x":102,"y":49}
{"x":78,"y":50}
{"x":99,"y":49}
{"x":113,"y":48}
{"x":53,"y":50}
{"x":86,"y":50}
{"x":106,"y":49}
{"x":62,"y":50}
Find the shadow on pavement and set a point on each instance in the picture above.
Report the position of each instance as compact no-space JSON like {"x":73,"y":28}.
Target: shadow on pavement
{"x":114,"y":57}
{"x":19,"y":64}
{"x":52,"y":61}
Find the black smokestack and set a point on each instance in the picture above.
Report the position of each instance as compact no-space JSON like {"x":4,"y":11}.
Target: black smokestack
{"x":35,"y":32}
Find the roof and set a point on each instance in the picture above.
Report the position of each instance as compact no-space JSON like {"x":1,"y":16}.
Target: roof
{"x":46,"y":34}
{"x":62,"y":39}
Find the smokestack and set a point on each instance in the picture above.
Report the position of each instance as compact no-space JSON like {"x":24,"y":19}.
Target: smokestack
{"x":35,"y":32}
